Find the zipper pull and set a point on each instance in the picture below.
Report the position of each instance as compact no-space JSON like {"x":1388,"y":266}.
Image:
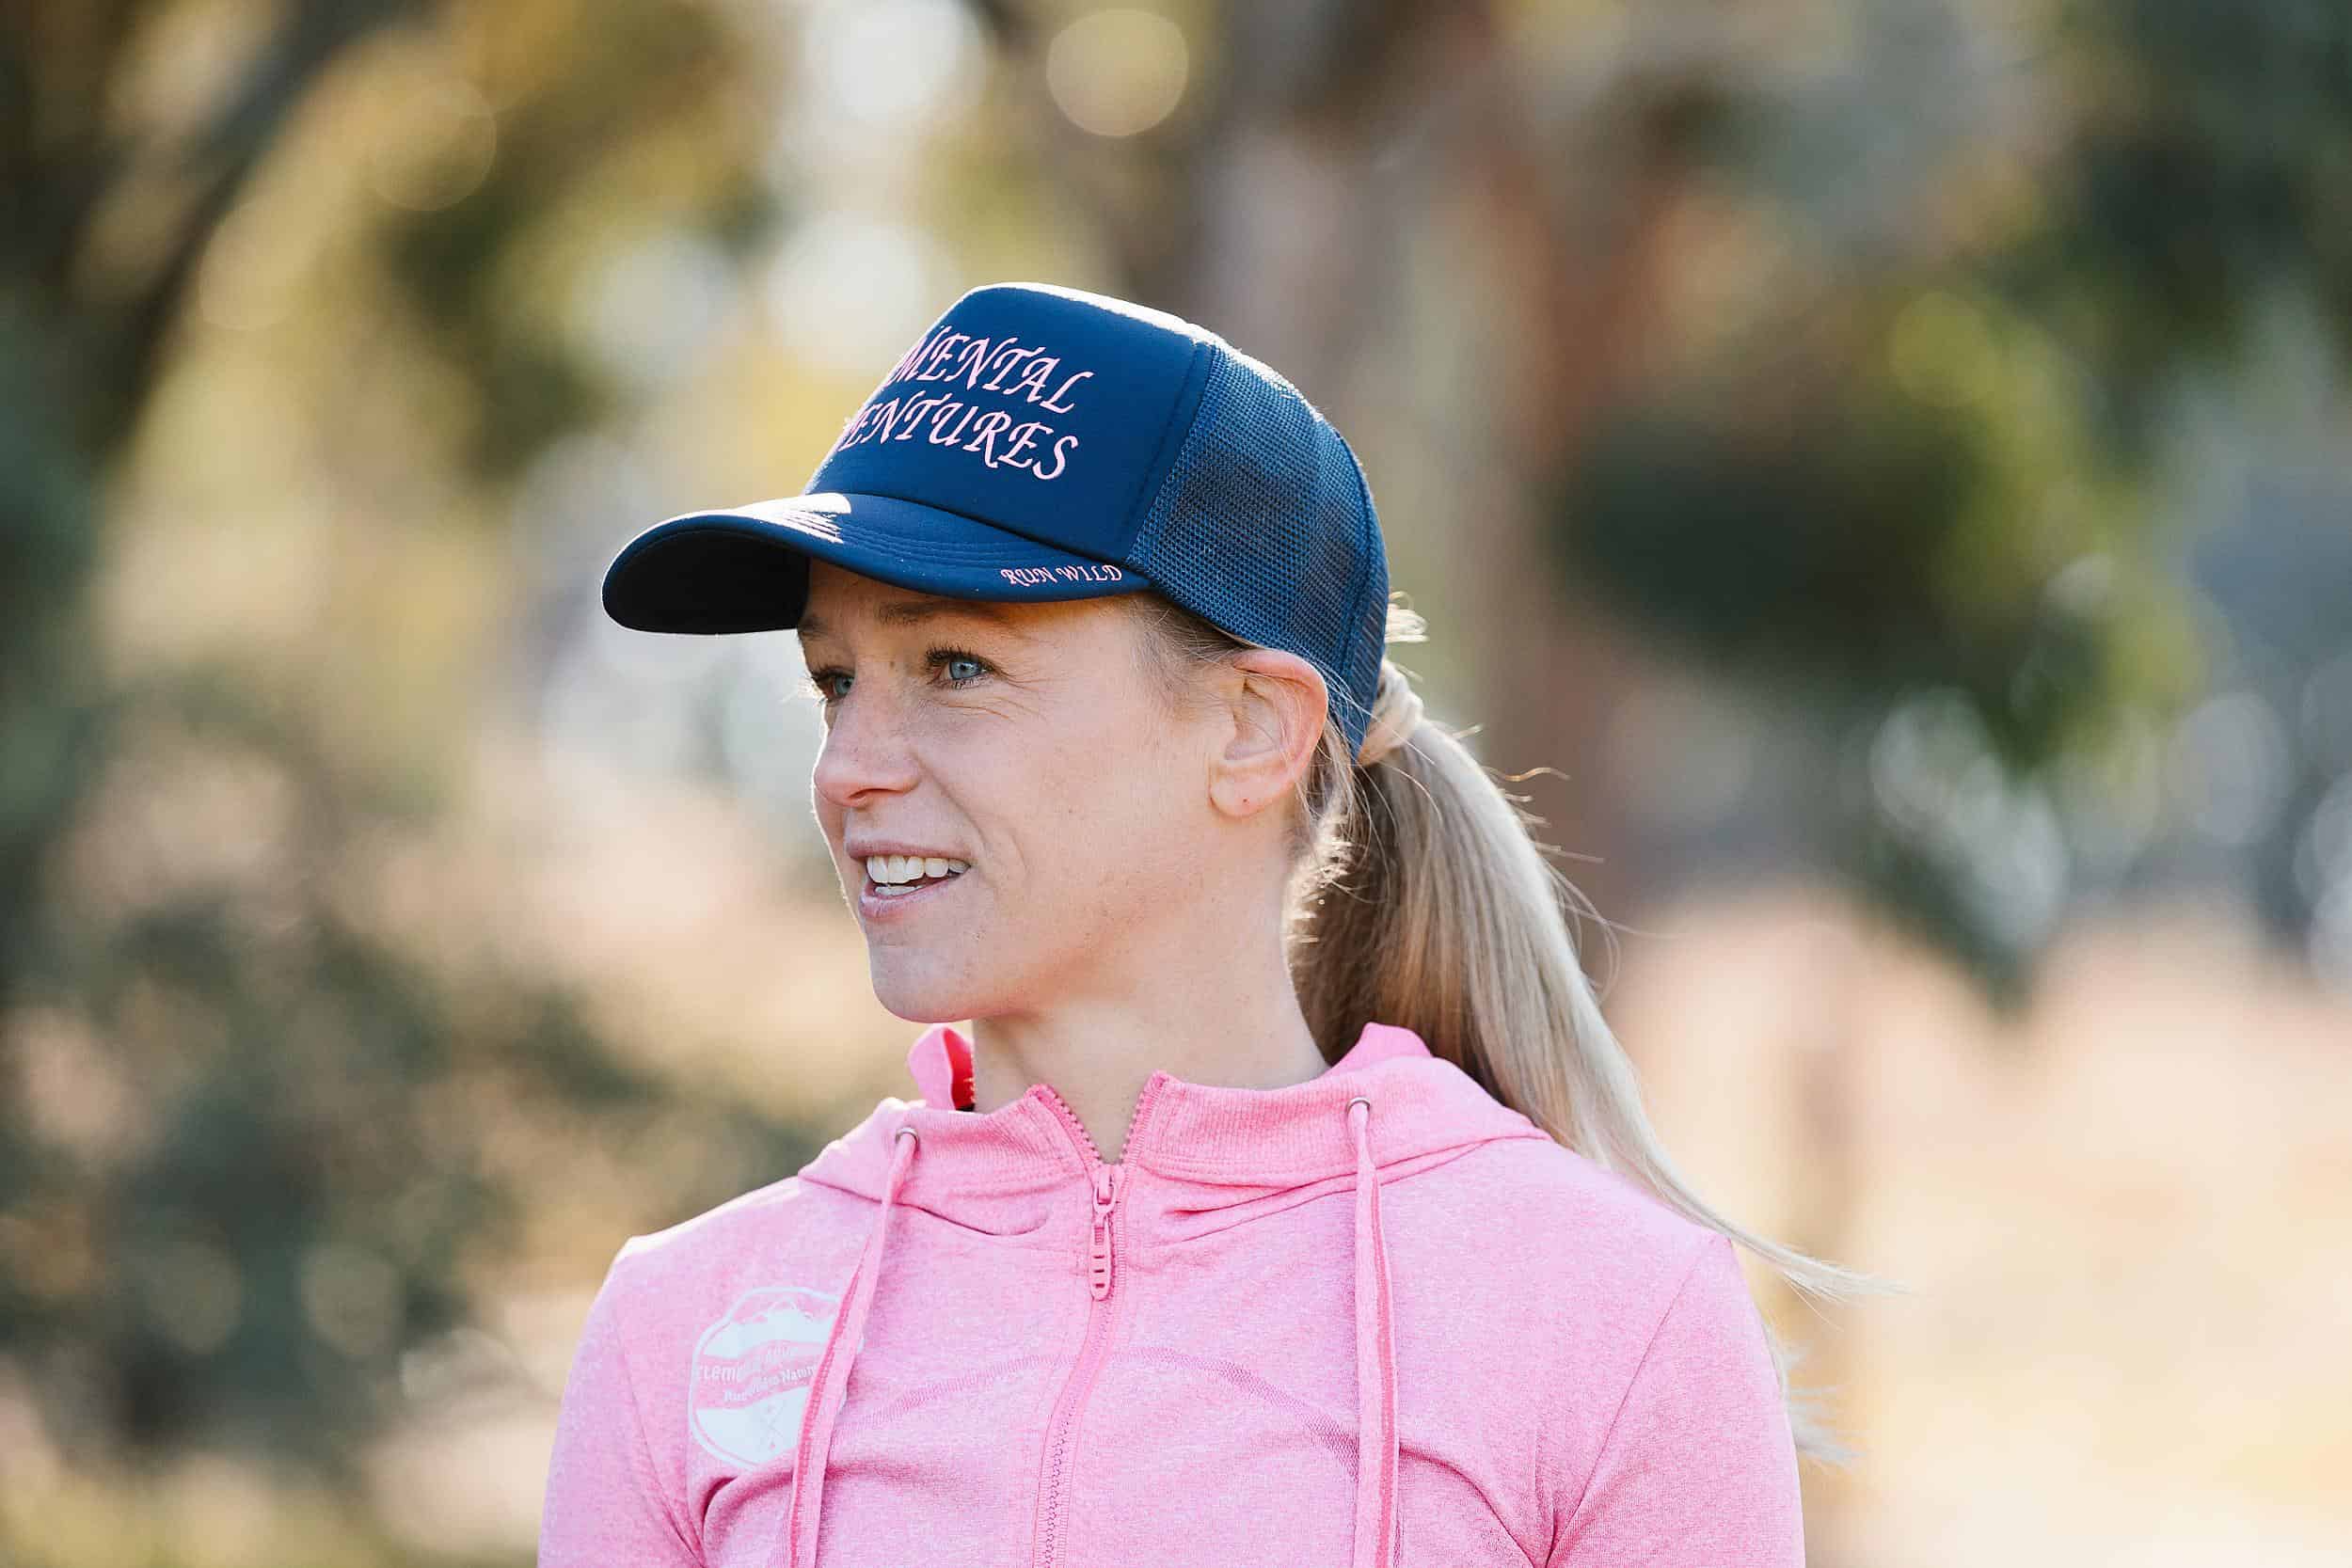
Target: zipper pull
{"x":1105,"y":1194}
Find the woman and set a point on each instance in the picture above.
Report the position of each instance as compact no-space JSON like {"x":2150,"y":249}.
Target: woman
{"x":1288,"y":1201}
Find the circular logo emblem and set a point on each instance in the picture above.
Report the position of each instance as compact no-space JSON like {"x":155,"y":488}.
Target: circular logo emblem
{"x":752,"y":1369}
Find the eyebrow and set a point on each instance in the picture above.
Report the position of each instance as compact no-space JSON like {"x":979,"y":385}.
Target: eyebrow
{"x":909,"y":612}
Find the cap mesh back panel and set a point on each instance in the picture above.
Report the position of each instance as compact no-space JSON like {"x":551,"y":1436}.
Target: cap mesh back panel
{"x":1261,"y":525}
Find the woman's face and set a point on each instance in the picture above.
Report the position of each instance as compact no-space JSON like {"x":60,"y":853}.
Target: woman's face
{"x":1025,"y":742}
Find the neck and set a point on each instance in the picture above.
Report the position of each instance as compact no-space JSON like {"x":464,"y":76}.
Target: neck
{"x":1224,"y":1024}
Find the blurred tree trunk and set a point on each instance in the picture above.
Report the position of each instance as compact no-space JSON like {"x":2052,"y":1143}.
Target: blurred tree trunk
{"x":1576,"y":268}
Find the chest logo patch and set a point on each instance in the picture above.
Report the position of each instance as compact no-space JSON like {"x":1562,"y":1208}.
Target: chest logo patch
{"x":752,"y":1369}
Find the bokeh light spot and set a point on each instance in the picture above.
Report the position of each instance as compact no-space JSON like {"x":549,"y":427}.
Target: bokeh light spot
{"x":898,"y":63}
{"x":1117,"y":72}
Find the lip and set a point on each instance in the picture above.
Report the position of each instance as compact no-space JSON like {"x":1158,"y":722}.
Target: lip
{"x":861,"y":849}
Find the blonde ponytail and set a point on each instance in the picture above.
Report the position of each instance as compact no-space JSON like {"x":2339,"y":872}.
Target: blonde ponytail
{"x":1422,"y":899}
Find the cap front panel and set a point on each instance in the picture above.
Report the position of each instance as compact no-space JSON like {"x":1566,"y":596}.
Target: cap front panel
{"x":1023,"y":407}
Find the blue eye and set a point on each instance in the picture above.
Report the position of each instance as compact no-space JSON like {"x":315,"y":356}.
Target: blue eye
{"x":831,"y":685}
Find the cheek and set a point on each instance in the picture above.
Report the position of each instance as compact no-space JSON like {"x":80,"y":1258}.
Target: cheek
{"x":1114,"y":806}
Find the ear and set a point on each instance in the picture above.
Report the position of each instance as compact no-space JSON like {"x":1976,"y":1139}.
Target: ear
{"x":1276,"y":702}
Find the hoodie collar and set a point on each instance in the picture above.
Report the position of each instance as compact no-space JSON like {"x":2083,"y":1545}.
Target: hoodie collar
{"x":941,"y":1061}
{"x":1003,"y":1170}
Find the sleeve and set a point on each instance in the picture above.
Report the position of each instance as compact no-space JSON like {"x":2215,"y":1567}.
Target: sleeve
{"x":604,"y":1503}
{"x":1699,"y":1465}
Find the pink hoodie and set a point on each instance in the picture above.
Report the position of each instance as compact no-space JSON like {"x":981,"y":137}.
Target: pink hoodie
{"x":1375,"y":1319}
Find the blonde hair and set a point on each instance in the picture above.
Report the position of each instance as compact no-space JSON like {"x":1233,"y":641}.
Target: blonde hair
{"x":1420,"y":898}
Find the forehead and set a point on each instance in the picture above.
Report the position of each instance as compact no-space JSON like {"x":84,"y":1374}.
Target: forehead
{"x":899,"y":609}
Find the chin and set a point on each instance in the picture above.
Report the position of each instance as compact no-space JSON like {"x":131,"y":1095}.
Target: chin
{"x":906,"y":993}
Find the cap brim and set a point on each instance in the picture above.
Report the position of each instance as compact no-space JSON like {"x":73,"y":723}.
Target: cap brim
{"x":746,"y":568}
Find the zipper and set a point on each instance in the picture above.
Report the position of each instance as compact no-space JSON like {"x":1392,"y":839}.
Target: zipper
{"x":1107,"y":1181}
{"x":1106,"y":1184}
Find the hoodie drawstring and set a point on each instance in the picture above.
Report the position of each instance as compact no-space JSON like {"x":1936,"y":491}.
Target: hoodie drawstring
{"x":831,"y":1385}
{"x":1375,"y":1366}
{"x":1375,"y":1361}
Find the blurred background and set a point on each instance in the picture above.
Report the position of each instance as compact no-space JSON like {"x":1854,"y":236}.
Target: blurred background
{"x":1879,"y":474}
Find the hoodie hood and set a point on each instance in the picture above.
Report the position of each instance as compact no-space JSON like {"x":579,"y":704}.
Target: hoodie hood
{"x":1198,"y":1158}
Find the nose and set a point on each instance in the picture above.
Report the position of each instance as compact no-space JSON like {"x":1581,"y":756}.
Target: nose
{"x":866,"y":752}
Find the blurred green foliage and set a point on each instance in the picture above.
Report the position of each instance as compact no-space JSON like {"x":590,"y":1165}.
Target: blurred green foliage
{"x":314,"y":1183}
{"x":1945,"y":488}
{"x":2212,"y":166}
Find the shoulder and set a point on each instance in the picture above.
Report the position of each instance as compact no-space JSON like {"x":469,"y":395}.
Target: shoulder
{"x":1639,"y":1268}
{"x":1578,"y":1226}
{"x":1578,"y":1269}
{"x":1575,"y":1263}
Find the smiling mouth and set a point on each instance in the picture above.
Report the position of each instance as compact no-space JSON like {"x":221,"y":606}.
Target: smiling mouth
{"x":899,"y":876}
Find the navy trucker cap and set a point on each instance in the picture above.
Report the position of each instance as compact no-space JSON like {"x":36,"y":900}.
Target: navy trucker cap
{"x":1042,"y":443}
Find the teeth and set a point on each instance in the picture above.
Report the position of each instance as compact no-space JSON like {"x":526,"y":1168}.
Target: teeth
{"x":887,"y":869}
